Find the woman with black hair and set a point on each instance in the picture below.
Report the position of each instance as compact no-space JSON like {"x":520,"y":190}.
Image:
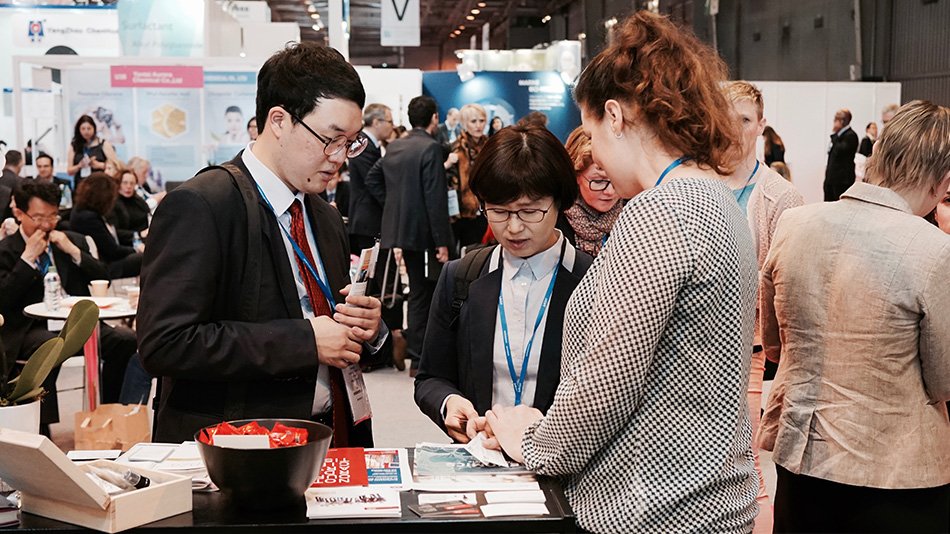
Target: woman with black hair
{"x":87,"y":152}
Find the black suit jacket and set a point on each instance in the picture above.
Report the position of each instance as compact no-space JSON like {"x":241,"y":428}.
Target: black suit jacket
{"x":410,"y":184}
{"x":461,"y":361}
{"x":88,"y":222}
{"x":8,"y":182}
{"x":365,"y":212}
{"x":839,"y":174}
{"x":22,"y":285}
{"x":215,"y":366}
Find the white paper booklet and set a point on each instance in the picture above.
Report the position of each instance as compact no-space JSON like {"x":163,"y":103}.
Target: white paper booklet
{"x":344,"y":502}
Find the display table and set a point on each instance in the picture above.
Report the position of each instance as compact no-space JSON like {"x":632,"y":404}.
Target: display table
{"x":91,"y":349}
{"x":211,"y":514}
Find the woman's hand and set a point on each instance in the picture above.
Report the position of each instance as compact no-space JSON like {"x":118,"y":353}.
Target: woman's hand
{"x":508,"y":426}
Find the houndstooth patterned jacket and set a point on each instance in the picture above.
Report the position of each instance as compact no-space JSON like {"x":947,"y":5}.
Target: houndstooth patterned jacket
{"x":649,"y":429}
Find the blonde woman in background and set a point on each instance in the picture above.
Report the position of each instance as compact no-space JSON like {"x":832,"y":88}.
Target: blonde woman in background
{"x":470,"y":226}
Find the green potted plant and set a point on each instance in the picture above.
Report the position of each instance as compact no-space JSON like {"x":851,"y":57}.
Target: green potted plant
{"x":18,"y":395}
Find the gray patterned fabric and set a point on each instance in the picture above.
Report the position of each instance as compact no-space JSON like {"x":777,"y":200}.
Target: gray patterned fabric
{"x":649,"y":428}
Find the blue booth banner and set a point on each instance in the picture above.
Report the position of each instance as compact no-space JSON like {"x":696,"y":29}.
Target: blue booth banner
{"x":509,"y":95}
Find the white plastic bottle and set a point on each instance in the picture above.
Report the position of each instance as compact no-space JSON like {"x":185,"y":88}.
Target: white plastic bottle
{"x":52,"y":295}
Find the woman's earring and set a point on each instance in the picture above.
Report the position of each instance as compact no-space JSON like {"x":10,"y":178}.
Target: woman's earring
{"x":618,"y":135}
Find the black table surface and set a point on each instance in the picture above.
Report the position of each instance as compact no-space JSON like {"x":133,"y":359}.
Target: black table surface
{"x":211,"y":513}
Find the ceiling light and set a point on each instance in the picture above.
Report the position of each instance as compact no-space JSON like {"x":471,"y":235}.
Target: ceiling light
{"x":545,"y":19}
{"x":315,"y":15}
{"x":581,"y":36}
{"x":470,"y":17}
{"x":311,"y":9}
{"x":461,"y":26}
{"x":317,"y":27}
{"x":482,"y":4}
{"x":475,"y":12}
{"x":451,"y":36}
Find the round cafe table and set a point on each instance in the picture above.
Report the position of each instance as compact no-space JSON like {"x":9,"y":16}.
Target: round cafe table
{"x":119,"y":309}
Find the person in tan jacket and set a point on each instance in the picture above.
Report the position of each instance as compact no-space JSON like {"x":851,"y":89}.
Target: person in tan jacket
{"x":470,"y":225}
{"x":857,"y":308}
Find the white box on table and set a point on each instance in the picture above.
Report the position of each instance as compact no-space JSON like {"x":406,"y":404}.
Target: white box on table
{"x":52,"y":486}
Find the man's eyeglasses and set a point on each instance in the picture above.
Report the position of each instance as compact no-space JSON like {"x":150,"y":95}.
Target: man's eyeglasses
{"x":598,"y":185}
{"x":39,"y":219}
{"x":354,"y":147}
{"x":528,"y":215}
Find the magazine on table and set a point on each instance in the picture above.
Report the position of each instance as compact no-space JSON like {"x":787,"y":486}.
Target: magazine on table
{"x":439,"y":467}
{"x":355,"y":466}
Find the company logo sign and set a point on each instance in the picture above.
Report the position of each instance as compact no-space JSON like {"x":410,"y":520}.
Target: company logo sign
{"x":35,"y":31}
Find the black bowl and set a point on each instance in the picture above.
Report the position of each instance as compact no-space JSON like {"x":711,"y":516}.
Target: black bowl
{"x":266,"y":479}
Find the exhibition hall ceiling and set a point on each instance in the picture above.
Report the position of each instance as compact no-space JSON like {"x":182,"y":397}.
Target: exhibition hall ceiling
{"x":439,"y":18}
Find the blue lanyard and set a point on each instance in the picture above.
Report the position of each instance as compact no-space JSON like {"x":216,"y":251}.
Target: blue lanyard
{"x":518,"y":381}
{"x":748,"y":181}
{"x":324,"y":287}
{"x":676,"y":163}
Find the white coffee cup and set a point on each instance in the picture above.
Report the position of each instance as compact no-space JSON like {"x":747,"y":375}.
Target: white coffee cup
{"x":99,"y":288}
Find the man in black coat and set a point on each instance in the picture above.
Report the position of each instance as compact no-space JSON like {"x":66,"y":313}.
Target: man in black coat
{"x":839,"y":174}
{"x":9,"y":178}
{"x":25,"y":258}
{"x":246,"y":263}
{"x":410,"y":184}
{"x":366,"y":212}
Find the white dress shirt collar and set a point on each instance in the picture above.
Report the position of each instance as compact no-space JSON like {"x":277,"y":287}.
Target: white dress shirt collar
{"x":539,"y":265}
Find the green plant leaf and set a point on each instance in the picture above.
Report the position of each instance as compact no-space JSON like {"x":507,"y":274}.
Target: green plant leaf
{"x":30,"y":395}
{"x":38,"y":367}
{"x":79,"y":326}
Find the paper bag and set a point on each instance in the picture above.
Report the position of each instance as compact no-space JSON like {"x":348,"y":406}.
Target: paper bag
{"x":112,"y":426}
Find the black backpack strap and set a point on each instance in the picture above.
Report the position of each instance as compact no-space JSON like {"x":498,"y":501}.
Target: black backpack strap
{"x":469,"y":269}
{"x":250,"y":280}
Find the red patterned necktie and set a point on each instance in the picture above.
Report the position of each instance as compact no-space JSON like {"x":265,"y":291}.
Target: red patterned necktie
{"x":320,"y":307}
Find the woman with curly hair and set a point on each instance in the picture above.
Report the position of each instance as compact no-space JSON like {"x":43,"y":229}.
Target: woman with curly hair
{"x":649,"y":430}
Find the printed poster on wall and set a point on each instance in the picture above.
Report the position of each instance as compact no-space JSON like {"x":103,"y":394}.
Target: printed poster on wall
{"x":230,"y":103}
{"x":169,"y":124}
{"x":508,"y":95}
{"x":88,"y":92}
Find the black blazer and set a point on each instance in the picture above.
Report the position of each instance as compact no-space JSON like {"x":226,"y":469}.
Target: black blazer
{"x":867,"y":144}
{"x":8,"y":182}
{"x":839,"y":174}
{"x":410,"y":184}
{"x":215,"y":366}
{"x":22,"y":285}
{"x":90,"y":223}
{"x":460,"y":361}
{"x":131,"y":214}
{"x":365,"y":212}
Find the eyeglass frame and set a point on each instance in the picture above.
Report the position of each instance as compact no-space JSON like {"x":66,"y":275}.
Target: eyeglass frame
{"x":360,"y":137}
{"x":590,"y":184}
{"x":517,"y":213}
{"x":40,"y":219}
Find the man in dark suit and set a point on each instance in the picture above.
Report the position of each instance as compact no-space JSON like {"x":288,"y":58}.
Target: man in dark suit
{"x":410,"y":184}
{"x":240,"y":318}
{"x":839,"y":174}
{"x":44,"y":171}
{"x":13,"y":164}
{"x":25,"y":258}
{"x":449,"y":130}
{"x":365,"y":212}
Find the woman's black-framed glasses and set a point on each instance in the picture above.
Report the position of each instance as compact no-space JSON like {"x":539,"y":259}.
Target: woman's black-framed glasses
{"x":354,"y":147}
{"x":598,"y":185}
{"x":528,"y":215}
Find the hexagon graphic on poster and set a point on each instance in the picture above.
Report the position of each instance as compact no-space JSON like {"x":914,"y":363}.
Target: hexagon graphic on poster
{"x":169,"y":121}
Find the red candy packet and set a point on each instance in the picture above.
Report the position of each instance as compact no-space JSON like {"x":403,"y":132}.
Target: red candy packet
{"x":281,"y":436}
